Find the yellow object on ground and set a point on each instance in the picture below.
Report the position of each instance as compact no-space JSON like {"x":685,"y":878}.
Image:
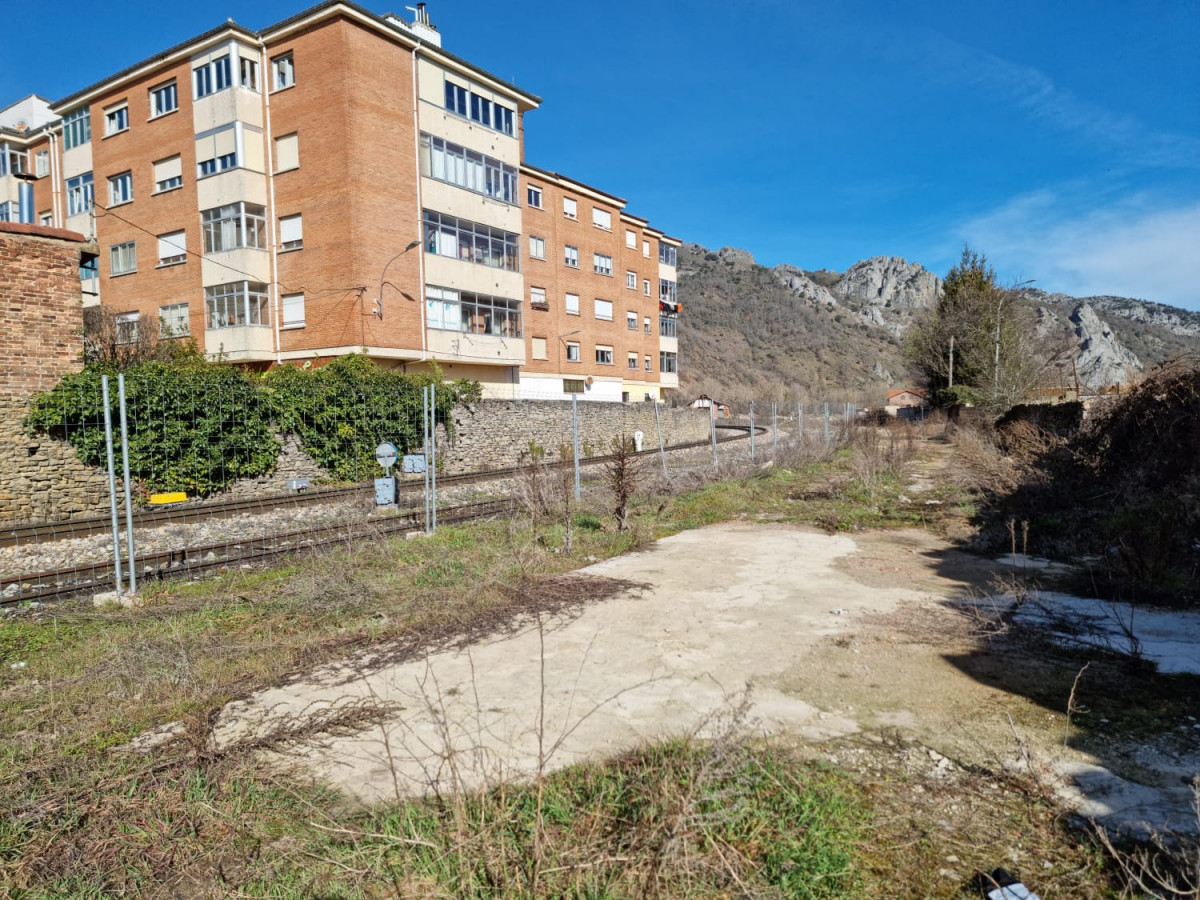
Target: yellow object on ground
{"x":174,"y":497}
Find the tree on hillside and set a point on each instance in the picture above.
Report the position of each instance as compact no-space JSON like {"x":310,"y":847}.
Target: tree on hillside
{"x":979,"y":343}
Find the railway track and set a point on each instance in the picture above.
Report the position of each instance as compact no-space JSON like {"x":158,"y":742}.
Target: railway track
{"x":17,"y":535}
{"x":90,"y":578}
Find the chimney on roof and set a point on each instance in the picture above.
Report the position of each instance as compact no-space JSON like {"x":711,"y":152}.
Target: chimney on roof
{"x":420,"y":27}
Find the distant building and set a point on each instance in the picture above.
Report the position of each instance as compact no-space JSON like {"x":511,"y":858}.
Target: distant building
{"x":720,"y":410}
{"x":906,"y":403}
{"x":338,"y":183}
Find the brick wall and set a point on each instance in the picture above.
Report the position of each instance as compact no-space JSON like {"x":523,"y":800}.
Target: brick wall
{"x":41,"y":340}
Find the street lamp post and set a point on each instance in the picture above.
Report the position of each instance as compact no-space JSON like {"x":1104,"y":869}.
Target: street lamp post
{"x":383,"y":275}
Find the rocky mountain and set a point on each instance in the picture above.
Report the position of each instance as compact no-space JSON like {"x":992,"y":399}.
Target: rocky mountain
{"x":752,"y":332}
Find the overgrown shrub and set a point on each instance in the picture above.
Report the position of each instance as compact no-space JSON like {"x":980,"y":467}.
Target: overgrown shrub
{"x":199,"y":427}
{"x":193,"y":426}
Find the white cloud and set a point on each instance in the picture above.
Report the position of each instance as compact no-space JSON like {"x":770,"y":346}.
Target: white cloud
{"x":1133,"y":247}
{"x":1033,"y":91}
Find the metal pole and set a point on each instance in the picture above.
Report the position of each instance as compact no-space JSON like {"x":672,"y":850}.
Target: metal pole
{"x":128,"y":498}
{"x":751,"y":432}
{"x":112,"y":487}
{"x":425,"y":449}
{"x":774,"y":429}
{"x":662,"y":452}
{"x":712,"y":427}
{"x":575,"y":442}
{"x":800,"y":421}
{"x":827,"y":424}
{"x":433,"y":453}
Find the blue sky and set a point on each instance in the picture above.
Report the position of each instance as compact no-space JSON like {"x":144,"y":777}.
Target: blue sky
{"x":1062,"y":139}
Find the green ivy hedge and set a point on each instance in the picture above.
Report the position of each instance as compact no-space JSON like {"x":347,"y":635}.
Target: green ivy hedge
{"x":199,"y":427}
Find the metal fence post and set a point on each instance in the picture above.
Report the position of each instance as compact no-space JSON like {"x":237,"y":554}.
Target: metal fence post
{"x":112,"y":486}
{"x":774,"y":429}
{"x":662,"y":453}
{"x":752,"y":432}
{"x":712,"y":427}
{"x":800,"y":422}
{"x":128,"y":498}
{"x":827,"y":424}
{"x":575,"y":442}
{"x":425,"y":451}
{"x":433,"y":454}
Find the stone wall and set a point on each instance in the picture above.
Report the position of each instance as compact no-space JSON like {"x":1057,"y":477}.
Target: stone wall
{"x":492,"y":434}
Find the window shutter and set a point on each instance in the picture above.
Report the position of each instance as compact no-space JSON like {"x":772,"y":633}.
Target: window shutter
{"x":287,"y":153}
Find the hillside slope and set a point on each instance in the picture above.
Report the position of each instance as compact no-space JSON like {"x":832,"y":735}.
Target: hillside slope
{"x":751,"y":332}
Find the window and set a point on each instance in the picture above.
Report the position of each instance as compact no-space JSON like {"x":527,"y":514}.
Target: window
{"x":625,"y":394}
{"x":668,"y":362}
{"x":456,"y":98}
{"x":283,"y":71}
{"x":572,"y":385}
{"x":233,"y":226}
{"x":666,"y":290}
{"x":601,"y":264}
{"x":79,"y":194}
{"x":41,"y":163}
{"x":604,"y":309}
{"x":572,"y":304}
{"x":237,"y":303}
{"x":46,"y":218}
{"x":77,"y":128}
{"x":667,"y":255}
{"x":537,"y":247}
{"x":476,"y":172}
{"x":248,"y":72}
{"x":630,"y":239}
{"x":570,"y":208}
{"x":89,"y":276}
{"x":631,"y":280}
{"x":646,"y":325}
{"x":632,"y":361}
{"x":647,"y":364}
{"x":173,"y":321}
{"x":631,"y":321}
{"x":471,"y":242}
{"x":291,"y":232}
{"x":213,"y":76}
{"x":533,"y":196}
{"x":646,"y":249}
{"x":293,"y":311}
{"x":120,"y":188}
{"x":604,"y":355}
{"x":116,"y":119}
{"x":478,"y":108}
{"x":537,"y":298}
{"x":12,"y":162}
{"x":168,"y":174}
{"x":287,"y":153}
{"x":454,"y":310}
{"x":9,"y":211}
{"x":163,"y":99}
{"x":537,"y":348}
{"x":172,"y":248}
{"x":122,"y":259}
{"x":573,"y":353}
{"x":667,"y":326}
{"x":602,"y":218}
{"x":216,"y":151}
{"x":571,"y":256}
{"x":646,"y":286}
{"x":127,"y":327}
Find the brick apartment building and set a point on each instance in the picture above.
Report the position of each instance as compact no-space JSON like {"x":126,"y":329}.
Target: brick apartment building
{"x":339,"y":183}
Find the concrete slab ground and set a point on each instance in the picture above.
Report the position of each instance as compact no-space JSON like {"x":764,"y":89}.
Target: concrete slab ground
{"x":837,"y":635}
{"x":722,"y":607}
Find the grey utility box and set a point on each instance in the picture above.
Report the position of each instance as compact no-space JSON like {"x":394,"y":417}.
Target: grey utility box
{"x":385,"y":492}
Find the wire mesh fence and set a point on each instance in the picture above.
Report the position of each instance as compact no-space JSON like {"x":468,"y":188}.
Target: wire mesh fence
{"x":169,"y":475}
